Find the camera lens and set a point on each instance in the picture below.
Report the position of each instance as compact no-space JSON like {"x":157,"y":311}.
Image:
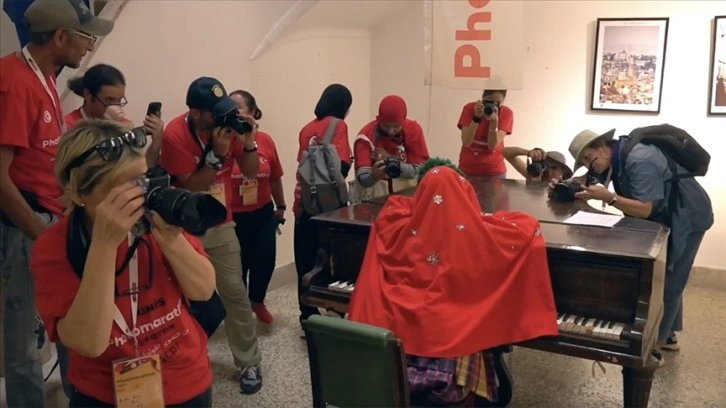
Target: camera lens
{"x":238,"y":125}
{"x":393,"y":167}
{"x":194,"y":212}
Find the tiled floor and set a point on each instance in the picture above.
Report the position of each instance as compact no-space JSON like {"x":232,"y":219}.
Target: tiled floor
{"x":695,"y":377}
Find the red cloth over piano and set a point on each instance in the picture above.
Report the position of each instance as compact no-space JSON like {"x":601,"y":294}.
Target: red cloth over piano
{"x":450,"y":281}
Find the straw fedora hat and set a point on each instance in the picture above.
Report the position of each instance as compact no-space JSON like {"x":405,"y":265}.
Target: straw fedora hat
{"x":583,"y":140}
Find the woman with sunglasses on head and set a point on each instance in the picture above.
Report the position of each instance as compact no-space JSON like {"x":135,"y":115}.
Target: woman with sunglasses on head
{"x":255,"y":215}
{"x":118,"y":300}
{"x":103,"y":89}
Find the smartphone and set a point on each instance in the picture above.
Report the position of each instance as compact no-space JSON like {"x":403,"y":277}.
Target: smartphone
{"x":154,"y":109}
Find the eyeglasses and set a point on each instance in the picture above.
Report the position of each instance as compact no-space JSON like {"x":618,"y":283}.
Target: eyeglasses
{"x":121,"y":103}
{"x":91,"y":38}
{"x":110,"y":149}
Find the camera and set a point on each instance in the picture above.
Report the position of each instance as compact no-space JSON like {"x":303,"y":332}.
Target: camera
{"x":534,"y":169}
{"x":194,"y":212}
{"x":393,"y":166}
{"x":490,"y":106}
{"x":231,"y":120}
{"x":565,"y":191}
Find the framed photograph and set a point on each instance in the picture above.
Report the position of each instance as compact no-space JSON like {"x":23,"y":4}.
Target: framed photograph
{"x":717,"y":79}
{"x":629,"y":60}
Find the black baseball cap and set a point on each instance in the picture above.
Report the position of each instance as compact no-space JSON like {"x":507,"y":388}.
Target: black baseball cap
{"x":50,"y":15}
{"x":207,"y":93}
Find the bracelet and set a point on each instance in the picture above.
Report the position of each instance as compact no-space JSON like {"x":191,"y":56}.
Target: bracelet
{"x":281,"y":207}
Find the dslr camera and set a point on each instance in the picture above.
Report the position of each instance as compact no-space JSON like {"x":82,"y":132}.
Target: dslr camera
{"x":534,"y":169}
{"x":231,"y":120}
{"x":194,"y":212}
{"x":565,"y":190}
{"x":490,"y":106}
{"x":393,"y":167}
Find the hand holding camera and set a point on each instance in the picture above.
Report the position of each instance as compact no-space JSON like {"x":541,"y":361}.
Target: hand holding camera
{"x":378,"y":171}
{"x":164,"y":234}
{"x":248,"y":138}
{"x":536,"y":164}
{"x":118,"y":213}
{"x":479,"y":109}
{"x":221,"y":139}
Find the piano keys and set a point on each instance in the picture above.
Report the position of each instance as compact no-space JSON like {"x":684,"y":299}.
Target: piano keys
{"x":607,"y":282}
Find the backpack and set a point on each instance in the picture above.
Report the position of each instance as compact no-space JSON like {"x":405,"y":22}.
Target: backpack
{"x":322,"y":186}
{"x":678,"y":147}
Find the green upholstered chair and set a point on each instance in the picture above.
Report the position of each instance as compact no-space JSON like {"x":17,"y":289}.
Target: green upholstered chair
{"x":354,"y":364}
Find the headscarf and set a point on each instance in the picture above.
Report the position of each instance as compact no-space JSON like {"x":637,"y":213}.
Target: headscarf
{"x":335,"y":101}
{"x":450,"y":281}
{"x":392,"y":109}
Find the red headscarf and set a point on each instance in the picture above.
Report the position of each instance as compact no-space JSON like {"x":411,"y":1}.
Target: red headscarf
{"x":450,"y":281}
{"x":392,"y":109}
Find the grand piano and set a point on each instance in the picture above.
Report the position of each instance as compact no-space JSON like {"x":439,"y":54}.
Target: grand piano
{"x":607,"y":282}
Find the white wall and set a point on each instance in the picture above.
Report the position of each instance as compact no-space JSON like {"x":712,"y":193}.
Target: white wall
{"x":552,"y":107}
{"x":287,"y":81}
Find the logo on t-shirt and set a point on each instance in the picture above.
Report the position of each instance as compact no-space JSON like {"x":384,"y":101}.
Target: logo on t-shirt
{"x":263,"y":160}
{"x":46,"y":117}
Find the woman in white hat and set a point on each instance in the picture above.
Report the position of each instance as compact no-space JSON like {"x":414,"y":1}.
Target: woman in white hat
{"x":642,"y":189}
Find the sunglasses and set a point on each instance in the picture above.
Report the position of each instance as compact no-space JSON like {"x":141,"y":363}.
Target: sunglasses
{"x":110,"y":149}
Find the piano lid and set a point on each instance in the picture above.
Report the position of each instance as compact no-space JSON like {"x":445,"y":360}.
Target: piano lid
{"x":630,"y":237}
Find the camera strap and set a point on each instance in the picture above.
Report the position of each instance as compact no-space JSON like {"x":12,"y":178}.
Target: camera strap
{"x":205,"y":148}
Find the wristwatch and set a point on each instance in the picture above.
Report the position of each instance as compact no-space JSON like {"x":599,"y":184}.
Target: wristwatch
{"x":214,"y":161}
{"x":254,"y":149}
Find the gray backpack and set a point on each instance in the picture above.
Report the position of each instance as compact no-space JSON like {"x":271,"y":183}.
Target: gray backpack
{"x":322,"y":186}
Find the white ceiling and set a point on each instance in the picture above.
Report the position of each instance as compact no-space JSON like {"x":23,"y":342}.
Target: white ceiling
{"x":353,"y":14}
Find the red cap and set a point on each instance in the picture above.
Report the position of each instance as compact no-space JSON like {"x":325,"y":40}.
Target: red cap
{"x":392,"y":109}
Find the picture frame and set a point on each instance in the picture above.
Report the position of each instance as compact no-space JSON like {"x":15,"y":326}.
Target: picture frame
{"x":717,"y":73}
{"x":629,"y":63}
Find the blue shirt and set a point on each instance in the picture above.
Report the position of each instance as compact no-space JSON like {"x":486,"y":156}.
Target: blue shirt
{"x":647,"y":178}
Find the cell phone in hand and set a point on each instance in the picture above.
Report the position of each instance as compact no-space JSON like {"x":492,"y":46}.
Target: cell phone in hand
{"x":154,"y":109}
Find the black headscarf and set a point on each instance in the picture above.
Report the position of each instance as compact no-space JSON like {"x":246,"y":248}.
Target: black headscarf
{"x":335,"y":101}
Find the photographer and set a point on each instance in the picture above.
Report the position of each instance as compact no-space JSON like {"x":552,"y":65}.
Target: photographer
{"x":484,"y":124}
{"x":388,"y":151}
{"x":540,"y":165}
{"x":31,"y":125}
{"x":255,"y":215}
{"x":643,"y":188}
{"x":103,"y":90}
{"x":198,"y":149}
{"x":109,"y":295}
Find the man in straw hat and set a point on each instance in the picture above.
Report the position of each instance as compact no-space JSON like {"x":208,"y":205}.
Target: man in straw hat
{"x":642,"y":189}
{"x":553,"y":164}
{"x":31,"y":124}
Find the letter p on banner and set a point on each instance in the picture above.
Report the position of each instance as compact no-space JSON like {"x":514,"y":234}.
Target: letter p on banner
{"x":474,"y":44}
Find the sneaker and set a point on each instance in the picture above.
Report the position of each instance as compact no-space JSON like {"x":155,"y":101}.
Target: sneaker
{"x":659,"y":357}
{"x":671,"y":344}
{"x":262,"y":313}
{"x":251,"y":380}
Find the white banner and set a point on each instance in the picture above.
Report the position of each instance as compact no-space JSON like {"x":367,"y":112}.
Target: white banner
{"x":474,"y":44}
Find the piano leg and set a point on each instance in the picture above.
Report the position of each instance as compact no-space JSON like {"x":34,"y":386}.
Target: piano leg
{"x":636,"y":386}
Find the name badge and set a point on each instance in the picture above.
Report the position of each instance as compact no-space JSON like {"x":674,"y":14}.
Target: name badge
{"x":248,"y":191}
{"x":217,"y":191}
{"x":137,"y":382}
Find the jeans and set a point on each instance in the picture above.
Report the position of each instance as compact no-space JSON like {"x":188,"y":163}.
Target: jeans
{"x":256,"y":231}
{"x":24,"y":333}
{"x":678,"y":270}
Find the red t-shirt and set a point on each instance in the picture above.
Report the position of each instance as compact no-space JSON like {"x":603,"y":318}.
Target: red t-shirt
{"x":270,"y":170}
{"x":30,"y":122}
{"x":414,"y":150}
{"x":166,"y":326}
{"x":477,"y":159}
{"x":76,"y":116}
{"x":316,"y":129}
{"x":181,"y":153}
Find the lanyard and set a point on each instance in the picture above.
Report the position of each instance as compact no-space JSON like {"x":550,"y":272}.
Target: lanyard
{"x":42,"y":79}
{"x":196,"y":134}
{"x":134,"y":285}
{"x":83,"y":113}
